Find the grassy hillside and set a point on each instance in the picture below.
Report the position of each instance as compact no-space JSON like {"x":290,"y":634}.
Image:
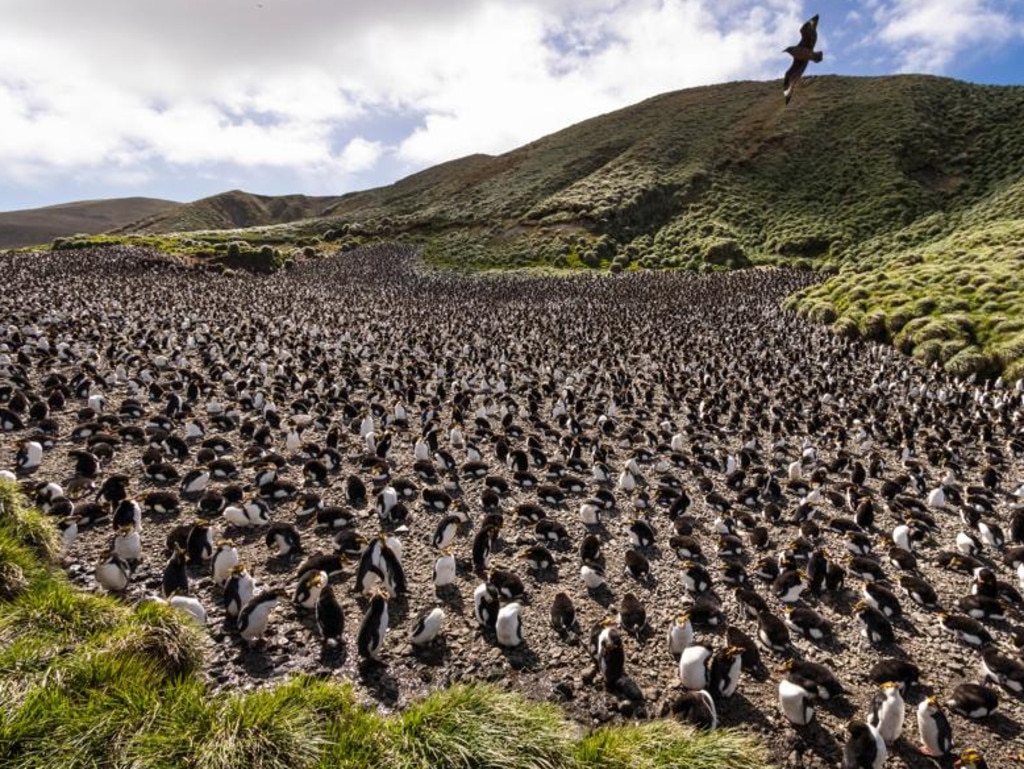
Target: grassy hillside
{"x":35,"y":226}
{"x":232,"y":210}
{"x":87,"y":681}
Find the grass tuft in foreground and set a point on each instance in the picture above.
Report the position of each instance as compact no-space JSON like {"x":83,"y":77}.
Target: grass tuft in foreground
{"x":86,"y":681}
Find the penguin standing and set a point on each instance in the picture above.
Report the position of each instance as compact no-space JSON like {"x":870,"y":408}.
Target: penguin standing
{"x":225,"y":557}
{"x":175,"y":579}
{"x":255,"y":615}
{"x":887,"y":712}
{"x":563,"y":614}
{"x":509,"y":625}
{"x":611,"y":655}
{"x":238,"y":590}
{"x":724,"y":672}
{"x":330,"y":619}
{"x":486,"y":604}
{"x":865,"y":748}
{"x":693,"y":667}
{"x":112,"y":574}
{"x":680,"y":635}
{"x":308,"y":589}
{"x":933,"y":726}
{"x":796,"y":703}
{"x":374,"y":626}
{"x":444,"y":569}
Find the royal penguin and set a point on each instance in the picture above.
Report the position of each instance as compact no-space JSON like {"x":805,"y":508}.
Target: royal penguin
{"x":330,"y":618}
{"x":970,"y":758}
{"x":427,"y":626}
{"x":796,"y":703}
{"x":189,"y":605}
{"x":508,"y":627}
{"x":445,"y":532}
{"x":680,"y":634}
{"x":934,"y":729}
{"x":282,"y":539}
{"x":255,"y":615}
{"x":875,"y":626}
{"x":611,"y":655}
{"x":444,"y":569}
{"x":199,"y":543}
{"x":864,"y":748}
{"x":112,"y":574}
{"x":238,"y":590}
{"x":724,"y":671}
{"x":127,"y":513}
{"x":965,"y":629}
{"x":814,"y":677}
{"x":28,"y":457}
{"x":887,"y":711}
{"x":308,"y":588}
{"x":373,"y":627}
{"x":697,"y":708}
{"x":694,"y":665}
{"x":1002,"y":669}
{"x":225,"y":557}
{"x":175,"y":577}
{"x":563,"y":614}
{"x":486,"y":604}
{"x":974,"y":701}
{"x":128,"y":544}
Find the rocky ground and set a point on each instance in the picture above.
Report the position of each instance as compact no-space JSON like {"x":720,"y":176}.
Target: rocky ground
{"x":625,"y":365}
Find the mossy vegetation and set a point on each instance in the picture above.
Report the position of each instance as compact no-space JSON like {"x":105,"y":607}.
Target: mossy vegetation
{"x":86,"y":681}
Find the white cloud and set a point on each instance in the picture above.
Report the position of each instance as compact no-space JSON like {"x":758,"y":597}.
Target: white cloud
{"x":930,"y":34}
{"x":294,"y":92}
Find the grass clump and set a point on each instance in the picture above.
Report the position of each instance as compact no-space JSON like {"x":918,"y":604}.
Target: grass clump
{"x":668,"y":745}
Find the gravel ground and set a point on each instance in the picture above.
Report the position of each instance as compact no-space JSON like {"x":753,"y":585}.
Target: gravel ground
{"x":631,"y":361}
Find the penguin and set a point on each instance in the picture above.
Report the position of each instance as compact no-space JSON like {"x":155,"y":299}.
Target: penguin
{"x":486,"y":604}
{"x":482,"y":544}
{"x":175,"y":578}
{"x":697,"y":708}
{"x":538,"y":558}
{"x":694,"y":665}
{"x":444,"y":569}
{"x":680,"y":634}
{"x":919,"y":591}
{"x":592,"y":575}
{"x":970,"y":758}
{"x":563,"y":614}
{"x":238,"y":591}
{"x":330,"y":619}
{"x":127,"y":544}
{"x":253,"y":619}
{"x":807,"y":623}
{"x":1004,"y":670}
{"x":590,"y":548}
{"x":282,"y":539}
{"x":796,"y":703}
{"x":814,"y":677}
{"x":508,"y":627}
{"x":427,"y":627}
{"x":349,"y":543}
{"x":881,"y":599}
{"x":308,"y":589}
{"x":225,"y":557}
{"x":127,"y":513}
{"x":724,"y":671}
{"x":640,"y":533}
{"x":637,"y":566}
{"x":112,"y":574}
{"x":772,"y":632}
{"x":632,"y":615}
{"x":445,"y":532}
{"x":610,"y":655}
{"x":695,"y":577}
{"x":898,"y":671}
{"x":982,"y":607}
{"x":864,"y":748}
{"x":887,"y":711}
{"x":965,"y":629}
{"x":199,"y":543}
{"x":189,"y":605}
{"x":974,"y":701}
{"x":374,"y":626}
{"x":67,"y":528}
{"x":28,"y":457}
{"x":789,"y":585}
{"x":247,"y":515}
{"x":934,"y":729}
{"x":875,"y":627}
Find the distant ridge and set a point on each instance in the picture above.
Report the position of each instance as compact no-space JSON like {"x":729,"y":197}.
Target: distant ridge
{"x":37,"y":226}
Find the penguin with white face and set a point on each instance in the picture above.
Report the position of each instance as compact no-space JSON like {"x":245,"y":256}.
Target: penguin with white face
{"x":255,"y":615}
{"x":693,"y":667}
{"x":238,"y":590}
{"x":934,"y":729}
{"x":112,"y":574}
{"x":887,"y":712}
{"x":225,"y":557}
{"x":680,"y":635}
{"x":509,"y":626}
{"x":444,"y":569}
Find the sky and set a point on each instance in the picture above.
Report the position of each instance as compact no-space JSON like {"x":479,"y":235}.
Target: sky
{"x":181,"y":99}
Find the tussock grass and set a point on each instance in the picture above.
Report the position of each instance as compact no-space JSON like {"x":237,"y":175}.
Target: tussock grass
{"x":668,"y":745}
{"x":469,"y":726}
{"x":87,"y":682}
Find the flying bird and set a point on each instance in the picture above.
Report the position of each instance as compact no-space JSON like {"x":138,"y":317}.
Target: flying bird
{"x":802,"y":53}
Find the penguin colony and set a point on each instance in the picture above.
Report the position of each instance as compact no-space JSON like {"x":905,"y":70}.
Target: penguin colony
{"x":652,"y":494}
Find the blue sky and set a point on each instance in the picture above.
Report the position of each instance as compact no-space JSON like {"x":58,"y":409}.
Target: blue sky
{"x":181,"y":99}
